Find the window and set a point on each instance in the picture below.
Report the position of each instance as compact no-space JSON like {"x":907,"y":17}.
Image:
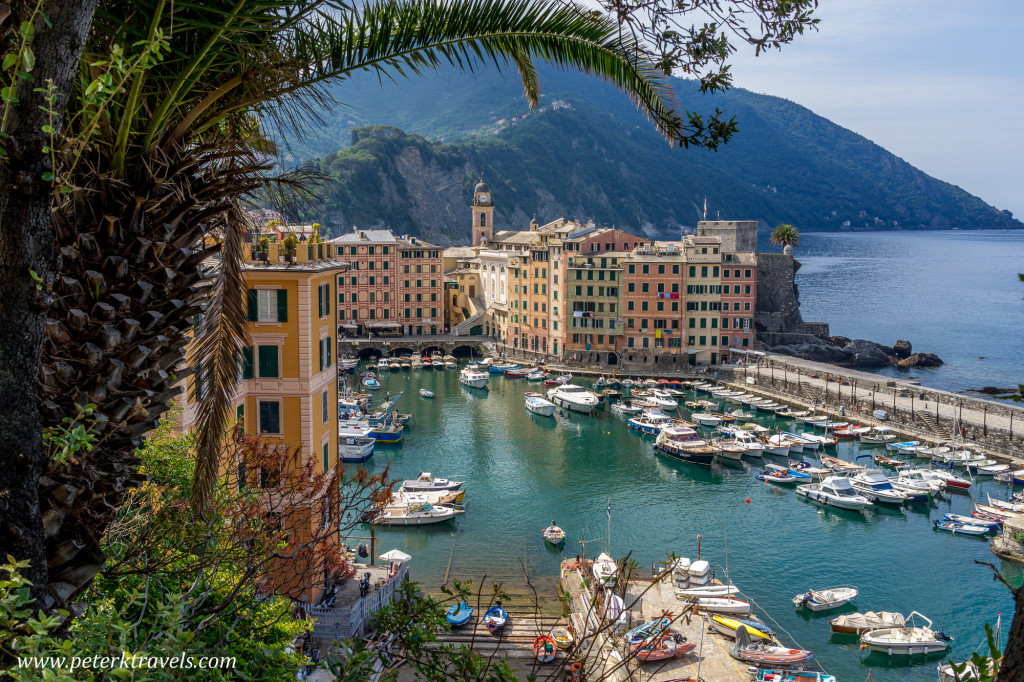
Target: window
{"x":691,"y":340}
{"x":247,"y":363}
{"x":692,"y":323}
{"x":645,"y":287}
{"x":268,"y":305}
{"x":267,"y":362}
{"x":643,"y":305}
{"x":646,"y":269}
{"x":746,"y":273}
{"x":725,"y":340}
{"x":714,"y":323}
{"x":324,"y":295}
{"x":323,"y":407}
{"x":629,"y":305}
{"x":631,"y":287}
{"x":704,"y":270}
{"x":661,"y":269}
{"x":714,"y":270}
{"x":661,"y":305}
{"x":703,"y":340}
{"x":270,"y":416}
{"x":747,"y":289}
{"x":325,"y":348}
{"x":746,"y":306}
{"x":703,"y":323}
{"x":327,"y":466}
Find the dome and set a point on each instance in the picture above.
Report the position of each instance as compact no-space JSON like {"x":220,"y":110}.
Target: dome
{"x":481,"y":187}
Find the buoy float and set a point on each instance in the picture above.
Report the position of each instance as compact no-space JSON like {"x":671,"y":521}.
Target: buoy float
{"x":748,"y":500}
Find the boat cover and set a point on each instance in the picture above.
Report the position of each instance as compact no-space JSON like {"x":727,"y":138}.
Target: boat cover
{"x":871,"y":619}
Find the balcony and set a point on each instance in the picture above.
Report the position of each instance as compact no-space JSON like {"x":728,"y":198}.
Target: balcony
{"x":351,"y":613}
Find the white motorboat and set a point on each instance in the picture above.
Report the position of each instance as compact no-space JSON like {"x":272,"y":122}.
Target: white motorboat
{"x":426,"y":482}
{"x":805,"y":442}
{"x":722,"y":605}
{"x":486,"y":362}
{"x":920,"y":479}
{"x":878,"y":435}
{"x":727,"y":449}
{"x":355,"y":448}
{"x":683,"y":443}
{"x":426,"y":394}
{"x":993,"y":469}
{"x":907,"y":640}
{"x":472,"y":376}
{"x":662,"y":399}
{"x":824,"y":600}
{"x":752,"y":447}
{"x":536,"y":376}
{"x":573,"y":398}
{"x":790,"y":413}
{"x":706,"y":419}
{"x":906,"y":447}
{"x":822,"y":441}
{"x":415,"y":514}
{"x":872,"y":484}
{"x":626,"y":407}
{"x":383,"y":364}
{"x":782,"y":446}
{"x":605,"y":569}
{"x":834,"y":491}
{"x":536,"y":403}
{"x":706,"y":591}
{"x":932,"y":450}
{"x":741,"y":416}
{"x":651,"y":422}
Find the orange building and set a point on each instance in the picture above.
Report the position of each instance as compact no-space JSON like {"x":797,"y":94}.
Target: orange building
{"x":654,"y":277}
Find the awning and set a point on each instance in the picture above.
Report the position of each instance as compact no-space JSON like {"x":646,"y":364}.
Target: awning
{"x":383,"y":324}
{"x":349,"y":326}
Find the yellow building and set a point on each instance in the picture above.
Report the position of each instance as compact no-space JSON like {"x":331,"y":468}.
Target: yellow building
{"x":287,"y":390}
{"x":703,"y":297}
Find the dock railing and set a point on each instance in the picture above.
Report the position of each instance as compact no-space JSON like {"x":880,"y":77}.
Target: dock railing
{"x":338,"y":623}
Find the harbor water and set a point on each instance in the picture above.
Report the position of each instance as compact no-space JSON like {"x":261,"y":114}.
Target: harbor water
{"x":522,"y":471}
{"x":954,"y":293}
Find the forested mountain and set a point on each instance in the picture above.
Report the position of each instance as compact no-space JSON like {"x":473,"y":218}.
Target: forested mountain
{"x":407,"y":155}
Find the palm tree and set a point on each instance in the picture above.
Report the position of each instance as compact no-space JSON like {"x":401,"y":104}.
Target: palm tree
{"x":169,"y":146}
{"x":786,"y":236}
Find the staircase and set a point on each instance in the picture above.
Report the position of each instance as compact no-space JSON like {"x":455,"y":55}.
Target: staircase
{"x":478,"y":310}
{"x":932,"y":425}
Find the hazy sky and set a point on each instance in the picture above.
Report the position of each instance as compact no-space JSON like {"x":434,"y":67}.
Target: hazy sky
{"x":936,"y":82}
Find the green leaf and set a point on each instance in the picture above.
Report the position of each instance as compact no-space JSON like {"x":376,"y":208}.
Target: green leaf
{"x":47,"y":128}
{"x":9,"y":60}
{"x":27,"y":30}
{"x":48,"y":176}
{"x":28,"y":58}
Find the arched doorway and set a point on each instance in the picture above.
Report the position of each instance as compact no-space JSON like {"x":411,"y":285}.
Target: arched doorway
{"x":369,"y":352}
{"x":613,"y":359}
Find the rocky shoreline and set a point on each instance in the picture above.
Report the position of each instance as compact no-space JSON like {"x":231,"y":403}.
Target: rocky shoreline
{"x":840,"y":350}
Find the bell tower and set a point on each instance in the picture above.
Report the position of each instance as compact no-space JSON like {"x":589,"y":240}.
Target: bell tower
{"x":483,"y":214}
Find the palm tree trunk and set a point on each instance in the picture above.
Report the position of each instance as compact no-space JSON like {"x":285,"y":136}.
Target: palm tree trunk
{"x":27,"y":246}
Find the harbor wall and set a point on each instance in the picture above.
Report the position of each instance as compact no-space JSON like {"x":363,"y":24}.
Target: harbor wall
{"x":917,"y":410}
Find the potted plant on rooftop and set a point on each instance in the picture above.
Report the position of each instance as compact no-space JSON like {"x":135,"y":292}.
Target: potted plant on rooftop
{"x":261,"y":249}
{"x":290,"y":244}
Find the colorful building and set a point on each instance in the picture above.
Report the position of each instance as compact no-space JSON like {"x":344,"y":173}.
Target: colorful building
{"x":594,"y":320}
{"x":654,"y":298}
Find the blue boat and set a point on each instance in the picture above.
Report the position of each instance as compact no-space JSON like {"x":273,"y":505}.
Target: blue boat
{"x":495,"y":618}
{"x":459,"y":614}
{"x":388,"y":433}
{"x":650,"y":423}
{"x":649,"y":629}
{"x":501,"y":369}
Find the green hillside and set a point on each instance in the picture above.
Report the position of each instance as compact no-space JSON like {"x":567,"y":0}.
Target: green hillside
{"x":586,"y":154}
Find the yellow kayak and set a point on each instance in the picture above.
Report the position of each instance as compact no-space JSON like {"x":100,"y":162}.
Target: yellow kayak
{"x":727,"y":626}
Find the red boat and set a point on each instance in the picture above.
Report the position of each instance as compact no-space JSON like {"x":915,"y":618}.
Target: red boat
{"x":761,"y":651}
{"x":663,"y":382}
{"x":516,"y":373}
{"x":544,"y":649}
{"x":552,"y":382}
{"x":952,"y":480}
{"x":671,"y":645}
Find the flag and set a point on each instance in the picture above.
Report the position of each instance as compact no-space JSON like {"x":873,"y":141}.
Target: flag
{"x":609,"y":510}
{"x":705,"y":207}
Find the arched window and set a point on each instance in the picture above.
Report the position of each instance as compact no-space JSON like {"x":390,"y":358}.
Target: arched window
{"x":483,"y":220}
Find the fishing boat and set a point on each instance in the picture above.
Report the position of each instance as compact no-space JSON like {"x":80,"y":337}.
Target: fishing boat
{"x":562,"y":636}
{"x":605,"y":569}
{"x":459,"y":614}
{"x":823,"y":441}
{"x":840,"y":466}
{"x":780,"y":477}
{"x":761,"y":652}
{"x":495,"y":618}
{"x":827,"y":599}
{"x":518,"y":372}
{"x":627,"y":407}
{"x":885,"y":460}
{"x":355,"y":448}
{"x":683,"y":443}
{"x":769,"y":675}
{"x":805,"y":442}
{"x":544,"y":648}
{"x":730,"y":626}
{"x":425,"y":483}
{"x":536,"y":403}
{"x":727,"y":449}
{"x":426,"y":394}
{"x":834,"y":491}
{"x":850,"y":432}
{"x":668,"y":645}
{"x":573,"y":398}
{"x":663,"y":399}
{"x":803,"y":466}
{"x":501,"y":367}
{"x":553,"y":534}
{"x":651,"y":422}
{"x":706,"y":419}
{"x":873,"y":484}
{"x":1012,"y":505}
{"x":722,"y":605}
{"x":472,"y":377}
{"x":859,"y":623}
{"x":961,"y":528}
{"x":536,"y":376}
{"x":878,"y":435}
{"x":370,"y":381}
{"x":610,"y":395}
{"x":991,"y":524}
{"x":420,"y":513}
{"x":388,"y":429}
{"x":906,"y":640}
{"x":989,"y":467}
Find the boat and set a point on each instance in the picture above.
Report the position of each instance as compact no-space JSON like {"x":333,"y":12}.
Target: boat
{"x":952,"y":481}
{"x":722,"y":605}
{"x":426,"y":394}
{"x":388,"y":430}
{"x":415,"y":514}
{"x":824,"y":600}
{"x":992,"y":469}
{"x":706,"y":419}
{"x":932,"y":451}
{"x":668,"y":645}
{"x":495,"y":618}
{"x":627,"y":407}
{"x":769,"y":675}
{"x":562,"y":636}
{"x":803,"y":466}
{"x":425,"y":482}
{"x":859,"y":623}
{"x":573,"y":398}
{"x":536,"y":403}
{"x":904,"y":447}
{"x":450,"y":364}
{"x":752,"y":447}
{"x":780,"y":477}
{"x":611,"y":395}
{"x":761,"y":652}
{"x":472,"y":377}
{"x":885,"y":460}
{"x":727,"y":449}
{"x":991,"y":524}
{"x":873,"y":484}
{"x":648,"y":630}
{"x":804,"y":442}
{"x":730,"y":626}
{"x":651,"y":422}
{"x":850,"y":432}
{"x":355,"y":448}
{"x":553,"y":534}
{"x":906,"y":640}
{"x":486,"y":362}
{"x":834,"y":491}
{"x":920,"y":479}
{"x":823,"y":441}
{"x":708,"y":591}
{"x":627,"y":383}
{"x":1012,"y":505}
{"x":536,"y":376}
{"x":401,"y":498}
{"x":518,"y":372}
{"x":878,"y":435}
{"x":782,"y":446}
{"x":880,"y":415}
{"x":683,"y":443}
{"x":383,"y":364}
{"x":651,"y":383}
{"x":663,"y":399}
{"x":459,"y":614}
{"x":605,"y":569}
{"x":961,"y":528}
{"x":544,"y":648}
{"x":739,"y":415}
{"x":370,"y":381}
{"x":790,"y":413}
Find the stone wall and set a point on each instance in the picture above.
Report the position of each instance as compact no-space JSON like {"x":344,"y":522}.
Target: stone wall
{"x":738,"y":236}
{"x":778,"y":301}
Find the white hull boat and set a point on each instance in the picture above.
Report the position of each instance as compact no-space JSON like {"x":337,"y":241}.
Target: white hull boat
{"x":605,"y":569}
{"x":708,"y":591}
{"x":872,"y":484}
{"x":472,"y":376}
{"x":723,"y":605}
{"x":415,"y":515}
{"x":834,"y":491}
{"x":573,"y":398}
{"x":538,"y":405}
{"x":906,"y":641}
{"x":824,"y":600}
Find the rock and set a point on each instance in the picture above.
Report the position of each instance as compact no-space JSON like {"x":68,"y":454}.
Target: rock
{"x":865,"y":353}
{"x":817,"y":352}
{"x":840,"y":341}
{"x":992,"y":390}
{"x":921,"y":360}
{"x":902,"y":349}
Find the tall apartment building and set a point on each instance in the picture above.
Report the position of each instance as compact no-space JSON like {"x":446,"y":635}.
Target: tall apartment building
{"x":287,"y":389}
{"x":654,"y":297}
{"x":395,"y":285}
{"x":594,"y":301}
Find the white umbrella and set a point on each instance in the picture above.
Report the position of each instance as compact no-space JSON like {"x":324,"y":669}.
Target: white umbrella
{"x":395,"y":555}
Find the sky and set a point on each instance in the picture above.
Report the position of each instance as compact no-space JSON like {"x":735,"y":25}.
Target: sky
{"x":936,"y":82}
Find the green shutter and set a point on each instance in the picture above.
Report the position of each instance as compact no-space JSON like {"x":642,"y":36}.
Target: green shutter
{"x":328,"y":342}
{"x":321,"y":355}
{"x":320,"y":296}
{"x":247,"y":363}
{"x":253,"y":306}
{"x":268,"y":362}
{"x":282,"y":305}
{"x":327,"y":299}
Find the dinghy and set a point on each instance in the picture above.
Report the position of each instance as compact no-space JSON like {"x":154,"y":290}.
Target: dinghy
{"x":553,"y":534}
{"x":760,"y":651}
{"x":605,"y":569}
{"x":766,"y":675}
{"x":961,"y":528}
{"x":426,"y":394}
{"x":708,"y":591}
{"x":459,"y":614}
{"x":780,"y":477}
{"x":544,"y":648}
{"x":722,"y":605}
{"x":992,"y":524}
{"x":495,"y":618}
{"x":663,"y":647}
{"x":648,"y":630}
{"x":859,"y":623}
{"x":823,"y":600}
{"x":562,"y":636}
{"x":906,"y":641}
{"x":730,"y":626}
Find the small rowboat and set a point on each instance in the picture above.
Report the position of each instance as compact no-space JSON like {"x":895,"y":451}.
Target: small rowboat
{"x":426,"y":394}
{"x":544,"y":648}
{"x":651,"y":628}
{"x":883,"y":460}
{"x":730,"y":626}
{"x":766,"y":675}
{"x":823,"y":600}
{"x":669,"y":645}
{"x":992,"y":524}
{"x":459,"y":614}
{"x":760,"y":651}
{"x":722,"y":605}
{"x":553,"y":534}
{"x":859,"y":623}
{"x":495,"y":618}
{"x":708,"y":591}
{"x":781,"y":477}
{"x":562,"y":637}
{"x":961,"y":528}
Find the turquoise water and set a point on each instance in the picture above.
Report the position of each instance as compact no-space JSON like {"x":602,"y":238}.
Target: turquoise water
{"x":522,"y":471}
{"x":954,"y":293}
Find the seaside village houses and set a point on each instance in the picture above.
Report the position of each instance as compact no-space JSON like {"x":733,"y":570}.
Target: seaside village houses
{"x":560,"y":292}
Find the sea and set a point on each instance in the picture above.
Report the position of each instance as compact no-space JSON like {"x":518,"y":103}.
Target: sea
{"x":955,"y":293}
{"x":606,"y":485}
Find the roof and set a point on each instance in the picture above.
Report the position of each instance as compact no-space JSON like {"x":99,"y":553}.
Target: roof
{"x":361,"y":236}
{"x":314,"y":266}
{"x":481,"y":186}
{"x":460,"y":252}
{"x":515,"y":237}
